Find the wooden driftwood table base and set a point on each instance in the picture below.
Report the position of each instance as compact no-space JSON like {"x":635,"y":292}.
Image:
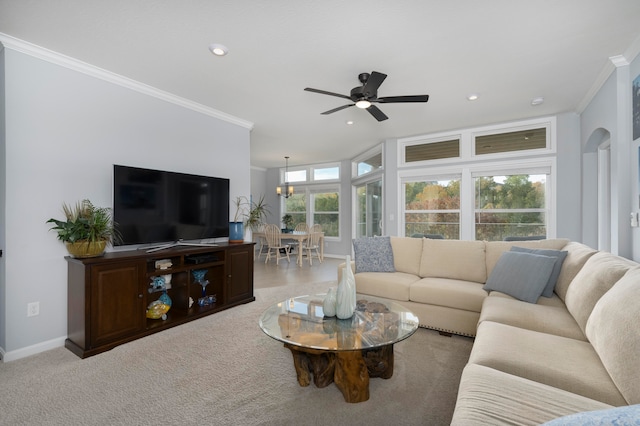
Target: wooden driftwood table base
{"x":349,"y":370}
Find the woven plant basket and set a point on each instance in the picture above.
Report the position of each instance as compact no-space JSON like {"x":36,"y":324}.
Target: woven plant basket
{"x":83,"y":249}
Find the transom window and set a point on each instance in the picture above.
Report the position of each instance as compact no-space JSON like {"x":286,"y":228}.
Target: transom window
{"x":432,"y":151}
{"x":521,"y":140}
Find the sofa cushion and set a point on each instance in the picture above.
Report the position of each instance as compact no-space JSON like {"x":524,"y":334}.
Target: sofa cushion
{"x":390,"y":285}
{"x":458,"y":294}
{"x":553,"y":278}
{"x":552,"y":318}
{"x":577,"y":256}
{"x":596,"y":277}
{"x":521,"y":275}
{"x":622,"y":416}
{"x":569,"y":364}
{"x":495,"y":249}
{"x":407,"y":253}
{"x":456,"y":259}
{"x":482,"y":400}
{"x":614,"y":332}
{"x":373,"y":254}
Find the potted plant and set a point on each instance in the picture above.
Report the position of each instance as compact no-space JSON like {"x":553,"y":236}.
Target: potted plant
{"x":257,"y":214}
{"x":249,"y":214}
{"x":287,"y":220}
{"x":87,"y":229}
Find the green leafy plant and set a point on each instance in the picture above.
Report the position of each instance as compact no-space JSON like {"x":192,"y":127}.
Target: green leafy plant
{"x":85,"y":222}
{"x":251,"y":213}
{"x":257,"y":215}
{"x":287,"y":220}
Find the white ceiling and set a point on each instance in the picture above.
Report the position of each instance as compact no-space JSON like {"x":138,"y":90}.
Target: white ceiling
{"x":506,"y":51}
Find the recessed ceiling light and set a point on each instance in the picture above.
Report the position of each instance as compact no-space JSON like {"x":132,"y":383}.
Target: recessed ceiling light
{"x":537,"y":101}
{"x":350,"y":122}
{"x":472,"y":97}
{"x":218,"y":49}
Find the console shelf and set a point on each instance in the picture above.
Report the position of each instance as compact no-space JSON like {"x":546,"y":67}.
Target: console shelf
{"x":108,"y":296}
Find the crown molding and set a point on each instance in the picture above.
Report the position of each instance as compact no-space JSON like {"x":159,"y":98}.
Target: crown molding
{"x":614,"y":62}
{"x":56,"y":58}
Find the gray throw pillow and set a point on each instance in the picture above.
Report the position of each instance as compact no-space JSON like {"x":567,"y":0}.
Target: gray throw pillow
{"x":373,"y":254}
{"x":521,"y":275}
{"x":559,"y":255}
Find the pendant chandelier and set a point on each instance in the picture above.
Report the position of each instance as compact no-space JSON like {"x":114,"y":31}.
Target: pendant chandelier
{"x":288,"y":189}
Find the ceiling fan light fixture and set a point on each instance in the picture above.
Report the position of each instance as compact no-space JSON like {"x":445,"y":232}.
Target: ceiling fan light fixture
{"x":218,"y":49}
{"x":363,"y":104}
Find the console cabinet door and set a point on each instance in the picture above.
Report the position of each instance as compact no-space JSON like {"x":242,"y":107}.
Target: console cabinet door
{"x":117,"y":301}
{"x":240,"y":274}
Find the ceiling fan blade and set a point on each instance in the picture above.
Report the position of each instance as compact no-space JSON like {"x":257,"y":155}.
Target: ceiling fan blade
{"x":324,"y":92}
{"x":396,"y":99}
{"x":337,"y":109}
{"x":377,"y":114}
{"x":374,"y":81}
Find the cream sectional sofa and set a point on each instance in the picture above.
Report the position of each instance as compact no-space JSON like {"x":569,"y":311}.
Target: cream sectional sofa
{"x":575,"y":352}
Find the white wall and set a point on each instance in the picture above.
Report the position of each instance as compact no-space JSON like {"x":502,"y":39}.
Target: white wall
{"x":64,"y":131}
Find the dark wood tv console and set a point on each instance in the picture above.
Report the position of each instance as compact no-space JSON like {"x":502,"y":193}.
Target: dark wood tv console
{"x":108,"y":296}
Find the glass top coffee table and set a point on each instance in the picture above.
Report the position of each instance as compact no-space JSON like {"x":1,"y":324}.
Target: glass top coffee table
{"x":347,"y":352}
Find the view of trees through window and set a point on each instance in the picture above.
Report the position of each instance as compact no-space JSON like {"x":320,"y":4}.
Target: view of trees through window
{"x":510,"y":206}
{"x":504,"y":206}
{"x":325,"y":211}
{"x":433,"y":207}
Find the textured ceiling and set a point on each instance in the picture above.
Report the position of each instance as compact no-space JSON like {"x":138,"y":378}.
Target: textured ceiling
{"x":506,"y":51}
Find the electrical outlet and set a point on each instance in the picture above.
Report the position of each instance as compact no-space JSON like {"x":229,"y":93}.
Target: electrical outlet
{"x":33,"y":309}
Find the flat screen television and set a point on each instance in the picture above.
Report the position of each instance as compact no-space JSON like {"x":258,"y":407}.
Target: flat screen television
{"x":154,"y":206}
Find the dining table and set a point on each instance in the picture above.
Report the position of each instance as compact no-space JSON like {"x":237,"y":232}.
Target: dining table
{"x":299,"y":237}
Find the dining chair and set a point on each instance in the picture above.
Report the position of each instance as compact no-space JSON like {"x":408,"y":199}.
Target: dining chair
{"x":273,"y":235}
{"x":311,"y":244}
{"x":261,"y":242}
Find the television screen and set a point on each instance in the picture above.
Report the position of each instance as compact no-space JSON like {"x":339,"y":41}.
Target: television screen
{"x":153,"y":206}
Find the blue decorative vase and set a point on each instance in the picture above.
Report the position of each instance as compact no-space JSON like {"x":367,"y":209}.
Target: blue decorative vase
{"x":236,"y":232}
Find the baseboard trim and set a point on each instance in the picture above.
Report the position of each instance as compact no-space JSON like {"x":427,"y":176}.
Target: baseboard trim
{"x":32,"y":350}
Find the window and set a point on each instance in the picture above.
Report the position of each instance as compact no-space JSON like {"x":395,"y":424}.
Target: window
{"x":296,"y":206}
{"x":510,"y":206}
{"x":432,"y":206}
{"x":323,"y":208}
{"x":326,"y":212}
{"x":369,"y":209}
{"x":369,"y":162}
{"x":511,"y":141}
{"x":432,"y":151}
{"x":326,"y":173}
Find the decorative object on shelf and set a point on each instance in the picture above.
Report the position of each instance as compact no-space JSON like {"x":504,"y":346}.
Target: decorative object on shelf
{"x":207,"y":300}
{"x":157,"y":284}
{"x":329,"y":304}
{"x":157,"y":310}
{"x":164,"y":298}
{"x":87,"y":229}
{"x":163,"y":264}
{"x":288,"y":189}
{"x":346,"y":294}
{"x":198,"y":275}
{"x":287,"y":221}
{"x":249,"y":214}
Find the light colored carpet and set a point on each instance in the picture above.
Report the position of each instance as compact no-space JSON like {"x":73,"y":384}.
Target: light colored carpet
{"x":223,"y":370}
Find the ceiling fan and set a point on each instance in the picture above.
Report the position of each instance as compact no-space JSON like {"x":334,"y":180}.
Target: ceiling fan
{"x":366,"y":95}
